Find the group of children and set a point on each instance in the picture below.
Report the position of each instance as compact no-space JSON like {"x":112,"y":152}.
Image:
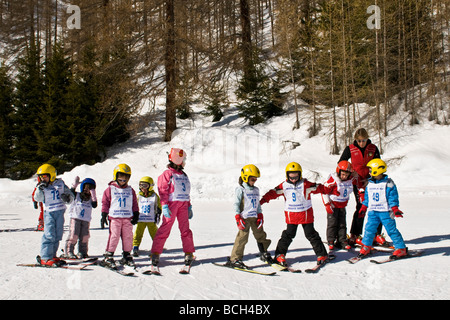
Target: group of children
{"x":381,"y":202}
{"x":121,"y":209}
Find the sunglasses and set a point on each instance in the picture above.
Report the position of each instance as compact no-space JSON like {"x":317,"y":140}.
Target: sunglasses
{"x":360,"y":141}
{"x":145,"y":185}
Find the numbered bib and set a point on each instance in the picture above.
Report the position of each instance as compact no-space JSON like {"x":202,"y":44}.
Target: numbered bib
{"x":345,"y":189}
{"x":121,"y":202}
{"x":295,"y":198}
{"x":52,"y":196}
{"x":182,"y":188}
{"x":81,"y":210}
{"x":251,"y":201}
{"x":147,"y":208}
{"x":376,"y":193}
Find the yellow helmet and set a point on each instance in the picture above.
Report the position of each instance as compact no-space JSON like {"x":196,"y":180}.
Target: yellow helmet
{"x":47,"y":169}
{"x":148,"y":180}
{"x":122,"y":168}
{"x":293,"y":167}
{"x":376,"y":167}
{"x":249,"y":170}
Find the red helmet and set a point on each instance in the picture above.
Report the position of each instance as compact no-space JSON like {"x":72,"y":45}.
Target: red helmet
{"x":344,"y":165}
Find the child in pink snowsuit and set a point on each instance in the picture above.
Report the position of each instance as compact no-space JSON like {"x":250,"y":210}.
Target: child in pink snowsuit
{"x":120,"y":206}
{"x":174,"y":188}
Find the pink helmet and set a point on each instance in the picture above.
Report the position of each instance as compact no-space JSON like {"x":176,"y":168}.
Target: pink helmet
{"x":177,"y":156}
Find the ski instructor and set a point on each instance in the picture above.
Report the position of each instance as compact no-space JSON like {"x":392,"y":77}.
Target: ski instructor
{"x":361,"y":151}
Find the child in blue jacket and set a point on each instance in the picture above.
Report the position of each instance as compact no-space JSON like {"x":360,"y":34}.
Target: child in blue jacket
{"x":381,"y":202}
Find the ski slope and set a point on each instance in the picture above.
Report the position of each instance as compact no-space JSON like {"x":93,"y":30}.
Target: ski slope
{"x":418,"y":159}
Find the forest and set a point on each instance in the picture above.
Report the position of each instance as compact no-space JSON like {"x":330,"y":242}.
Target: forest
{"x":74,"y":75}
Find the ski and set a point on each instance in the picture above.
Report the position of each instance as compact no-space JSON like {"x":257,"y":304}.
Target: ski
{"x":65,"y":266}
{"x":281,"y":268}
{"x":246,"y":270}
{"x":122,"y":272}
{"x":356,"y":259}
{"x":411,"y":254}
{"x":155,"y":270}
{"x":317,"y":267}
{"x":80,"y":261}
{"x":186,"y":269}
{"x":372,"y":251}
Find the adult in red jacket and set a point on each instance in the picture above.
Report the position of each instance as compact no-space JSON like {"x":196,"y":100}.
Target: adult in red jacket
{"x":298,"y":210}
{"x":360,"y":152}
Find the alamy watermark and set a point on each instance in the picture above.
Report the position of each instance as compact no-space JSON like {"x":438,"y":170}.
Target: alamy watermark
{"x":374,"y":21}
{"x":74,"y":20}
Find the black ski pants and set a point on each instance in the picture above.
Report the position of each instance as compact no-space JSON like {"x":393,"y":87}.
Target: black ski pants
{"x":310,"y":233}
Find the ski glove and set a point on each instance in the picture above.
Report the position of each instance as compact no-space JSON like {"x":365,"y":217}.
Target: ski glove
{"x":42,"y":185}
{"x":76,"y":182}
{"x":93,"y":195}
{"x":165,"y":211}
{"x":260,"y":220}
{"x":240,"y":222}
{"x":135,"y":218}
{"x":397,"y":212}
{"x":65,"y":197}
{"x":104,"y":219}
{"x":362,"y":211}
{"x":190,"y":213}
{"x":329,"y":208}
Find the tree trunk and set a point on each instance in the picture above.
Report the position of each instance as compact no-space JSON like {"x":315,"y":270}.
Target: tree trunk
{"x":170,"y":66}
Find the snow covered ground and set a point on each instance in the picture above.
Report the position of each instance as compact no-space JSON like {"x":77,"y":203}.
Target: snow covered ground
{"x":418,"y":160}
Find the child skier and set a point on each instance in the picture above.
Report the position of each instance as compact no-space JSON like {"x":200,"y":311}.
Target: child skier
{"x":174,"y":188}
{"x":80,"y":212}
{"x":381,"y":202}
{"x":248,"y":216}
{"x":54,"y":194}
{"x":298,"y":210}
{"x":342,"y":180}
{"x":120,"y":207}
{"x":149,"y":212}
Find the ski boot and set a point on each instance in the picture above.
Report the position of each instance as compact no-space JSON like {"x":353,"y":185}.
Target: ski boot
{"x":108,"y":261}
{"x":322,"y":259}
{"x":399,"y":253}
{"x":135,"y":251}
{"x":238,"y":263}
{"x":281,"y":260}
{"x":331,"y":245}
{"x":155,"y":259}
{"x":266,"y":257}
{"x":54,"y":262}
{"x":127,"y":259}
{"x":365,"y":250}
{"x":40,"y":226}
{"x":188,"y":258}
{"x":380,"y":240}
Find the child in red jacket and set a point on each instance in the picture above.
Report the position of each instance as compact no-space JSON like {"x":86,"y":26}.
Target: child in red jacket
{"x":298,"y":210}
{"x":343,"y":181}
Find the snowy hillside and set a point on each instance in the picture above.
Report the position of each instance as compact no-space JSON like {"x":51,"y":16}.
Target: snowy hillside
{"x":418,"y":161}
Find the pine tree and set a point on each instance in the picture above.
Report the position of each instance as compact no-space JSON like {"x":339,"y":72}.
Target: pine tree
{"x":26,"y":119}
{"x":259,"y":97}
{"x":54,"y":138}
{"x":6,"y":110}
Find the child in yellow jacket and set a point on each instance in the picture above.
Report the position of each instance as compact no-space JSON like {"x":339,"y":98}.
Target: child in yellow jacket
{"x":150,"y":211}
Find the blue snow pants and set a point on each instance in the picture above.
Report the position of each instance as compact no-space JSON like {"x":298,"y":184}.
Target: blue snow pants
{"x":374,"y":218}
{"x":53,"y":232}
